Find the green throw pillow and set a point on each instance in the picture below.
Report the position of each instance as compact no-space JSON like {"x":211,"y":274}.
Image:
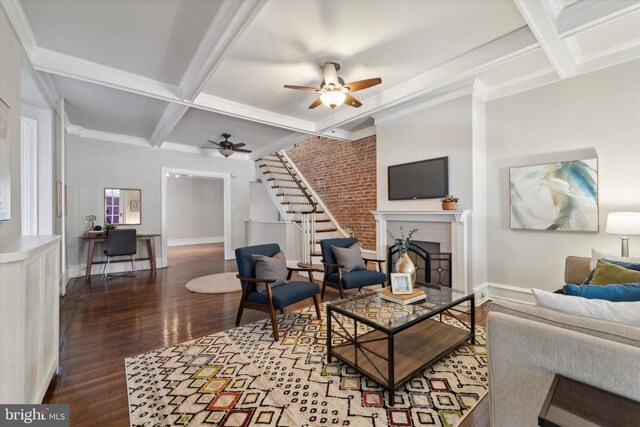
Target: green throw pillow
{"x":606,"y":273}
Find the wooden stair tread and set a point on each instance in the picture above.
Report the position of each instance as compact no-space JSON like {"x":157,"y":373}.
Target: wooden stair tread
{"x":293,"y":212}
{"x":298,"y":221}
{"x":327,"y":230}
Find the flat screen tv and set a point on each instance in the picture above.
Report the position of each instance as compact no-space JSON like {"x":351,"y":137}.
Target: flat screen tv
{"x":426,"y":179}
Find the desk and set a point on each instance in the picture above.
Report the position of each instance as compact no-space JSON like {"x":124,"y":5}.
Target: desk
{"x":151,"y":251}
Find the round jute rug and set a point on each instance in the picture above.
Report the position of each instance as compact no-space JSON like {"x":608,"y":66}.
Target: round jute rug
{"x":215,"y":284}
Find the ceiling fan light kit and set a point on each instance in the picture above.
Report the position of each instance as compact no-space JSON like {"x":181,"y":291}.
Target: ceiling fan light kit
{"x":333,"y":90}
{"x":226,"y":147}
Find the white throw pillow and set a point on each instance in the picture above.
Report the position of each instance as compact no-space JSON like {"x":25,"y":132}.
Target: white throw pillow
{"x":622,"y":312}
{"x":596,"y":255}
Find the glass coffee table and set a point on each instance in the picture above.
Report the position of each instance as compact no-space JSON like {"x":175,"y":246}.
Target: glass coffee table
{"x":391,"y":342}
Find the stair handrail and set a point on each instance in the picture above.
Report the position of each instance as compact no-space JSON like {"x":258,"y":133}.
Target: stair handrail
{"x":314,"y":205}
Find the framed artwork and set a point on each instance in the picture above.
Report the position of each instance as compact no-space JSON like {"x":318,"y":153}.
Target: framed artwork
{"x":401,"y":283}
{"x":134,"y":205}
{"x":58,"y":198}
{"x":559,"y":196}
{"x":5,"y":163}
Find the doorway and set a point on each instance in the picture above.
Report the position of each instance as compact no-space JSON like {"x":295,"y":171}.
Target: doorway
{"x":199,"y":219}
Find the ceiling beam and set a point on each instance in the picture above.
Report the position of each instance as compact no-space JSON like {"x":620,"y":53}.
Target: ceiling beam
{"x":583,"y":15}
{"x":543,"y":27}
{"x":230,"y":21}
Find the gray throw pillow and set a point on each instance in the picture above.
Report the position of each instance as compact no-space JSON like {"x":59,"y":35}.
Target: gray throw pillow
{"x":349,"y":258}
{"x":274,"y":267}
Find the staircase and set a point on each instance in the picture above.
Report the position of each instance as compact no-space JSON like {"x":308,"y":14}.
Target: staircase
{"x":299,"y":204}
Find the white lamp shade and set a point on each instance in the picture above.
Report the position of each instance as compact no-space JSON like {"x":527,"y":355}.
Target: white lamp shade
{"x":624,"y":223}
{"x":226,"y":151}
{"x":333,"y":98}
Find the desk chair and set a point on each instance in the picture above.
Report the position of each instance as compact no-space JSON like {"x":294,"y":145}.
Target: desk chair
{"x":272,"y":298}
{"x":120,"y":242}
{"x":335,"y":278}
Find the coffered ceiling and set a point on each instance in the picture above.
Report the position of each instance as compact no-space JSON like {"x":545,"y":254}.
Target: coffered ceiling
{"x":175,"y":73}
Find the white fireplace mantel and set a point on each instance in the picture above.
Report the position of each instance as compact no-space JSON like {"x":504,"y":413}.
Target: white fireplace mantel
{"x":459,"y":220}
{"x":424,"y":216}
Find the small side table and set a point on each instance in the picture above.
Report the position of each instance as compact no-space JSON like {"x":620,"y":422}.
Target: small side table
{"x":571,"y":403}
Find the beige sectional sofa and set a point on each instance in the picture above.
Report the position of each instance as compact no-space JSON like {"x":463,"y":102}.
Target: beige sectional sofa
{"x":527,"y":345}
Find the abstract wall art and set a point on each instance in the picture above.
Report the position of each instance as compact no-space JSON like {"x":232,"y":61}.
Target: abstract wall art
{"x":555,"y":196}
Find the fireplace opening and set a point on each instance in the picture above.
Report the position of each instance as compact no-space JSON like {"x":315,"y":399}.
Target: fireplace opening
{"x":432,"y":266}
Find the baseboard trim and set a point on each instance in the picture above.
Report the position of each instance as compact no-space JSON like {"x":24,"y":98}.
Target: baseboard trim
{"x":481,"y":293}
{"x":195,"y":241}
{"x":496,"y":291}
{"x":79,"y":270}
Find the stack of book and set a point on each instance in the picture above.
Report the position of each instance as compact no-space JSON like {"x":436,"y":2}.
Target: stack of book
{"x":417,"y":295}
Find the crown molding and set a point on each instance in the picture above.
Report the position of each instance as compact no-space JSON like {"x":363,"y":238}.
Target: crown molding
{"x":543,"y":27}
{"x":421,"y":104}
{"x":582,"y":15}
{"x":227,"y":107}
{"x":456,"y":72}
{"x":523,"y":83}
{"x":107,"y":136}
{"x":64,"y":65}
{"x":279,"y":145}
{"x":183,"y":148}
{"x":20,"y":24}
{"x":363,"y":133}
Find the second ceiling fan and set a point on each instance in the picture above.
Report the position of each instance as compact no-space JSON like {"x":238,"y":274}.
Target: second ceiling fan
{"x":334,"y":91}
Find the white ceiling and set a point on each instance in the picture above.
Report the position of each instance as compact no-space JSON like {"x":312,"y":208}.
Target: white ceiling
{"x":182,"y":71}
{"x":109,"y":110}
{"x":155,"y":39}
{"x":198,"y":126}
{"x":289,"y":40}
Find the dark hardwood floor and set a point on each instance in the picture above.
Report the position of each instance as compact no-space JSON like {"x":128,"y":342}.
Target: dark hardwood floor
{"x":102,"y":323}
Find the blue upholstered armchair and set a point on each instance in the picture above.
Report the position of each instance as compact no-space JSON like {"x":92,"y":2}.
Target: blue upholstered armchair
{"x":335,"y":278}
{"x":272,"y":298}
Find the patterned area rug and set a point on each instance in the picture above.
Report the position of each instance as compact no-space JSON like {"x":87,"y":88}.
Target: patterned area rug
{"x":241,"y":377}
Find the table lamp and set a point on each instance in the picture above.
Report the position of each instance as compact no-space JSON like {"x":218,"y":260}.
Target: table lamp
{"x":625,"y":224}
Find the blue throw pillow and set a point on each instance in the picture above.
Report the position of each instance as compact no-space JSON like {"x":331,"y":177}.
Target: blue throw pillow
{"x":613,"y":293}
{"x":629,"y":265}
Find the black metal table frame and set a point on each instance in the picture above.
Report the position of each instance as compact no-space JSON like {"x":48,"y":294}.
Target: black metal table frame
{"x":391,"y":385}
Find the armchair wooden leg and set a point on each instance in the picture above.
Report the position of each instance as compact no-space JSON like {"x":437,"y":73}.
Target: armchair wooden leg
{"x":316,"y":302}
{"x":324,"y":285}
{"x":239,"y":316}
{"x":274,"y":322}
{"x":341,"y":292}
{"x":282,"y":311}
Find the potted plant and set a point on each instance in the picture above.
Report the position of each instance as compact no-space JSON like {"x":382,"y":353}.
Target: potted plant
{"x":449,"y":203}
{"x":404,"y":263}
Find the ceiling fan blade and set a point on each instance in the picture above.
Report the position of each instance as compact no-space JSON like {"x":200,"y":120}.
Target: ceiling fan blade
{"x":214,"y":143}
{"x":363,"y":84}
{"x":242,"y":144}
{"x":350,"y":100}
{"x":330,"y":73}
{"x":209,"y":148}
{"x":241,"y":150}
{"x":305,"y":88}
{"x":316,"y":103}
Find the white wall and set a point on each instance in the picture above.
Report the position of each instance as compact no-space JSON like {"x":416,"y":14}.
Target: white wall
{"x":10,"y":53}
{"x":261,"y":207}
{"x":594,"y":113}
{"x":99,"y":164}
{"x":441,"y":130}
{"x":46,"y":181}
{"x":195,"y":210}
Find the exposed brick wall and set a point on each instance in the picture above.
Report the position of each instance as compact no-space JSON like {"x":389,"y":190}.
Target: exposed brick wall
{"x":343,"y":174}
